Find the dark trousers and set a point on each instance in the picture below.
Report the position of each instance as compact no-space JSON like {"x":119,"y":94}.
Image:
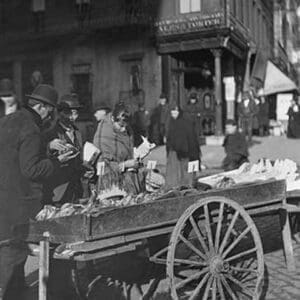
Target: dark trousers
{"x":12,"y":279}
{"x":247,"y":127}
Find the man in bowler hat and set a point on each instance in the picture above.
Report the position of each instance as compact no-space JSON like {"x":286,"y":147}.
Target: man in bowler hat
{"x":24,"y":167}
{"x":65,"y":183}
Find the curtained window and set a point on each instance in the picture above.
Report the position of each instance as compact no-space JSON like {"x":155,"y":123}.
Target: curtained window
{"x":189,"y":6}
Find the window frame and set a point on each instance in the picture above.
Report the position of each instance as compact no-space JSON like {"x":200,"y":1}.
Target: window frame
{"x":190,"y":11}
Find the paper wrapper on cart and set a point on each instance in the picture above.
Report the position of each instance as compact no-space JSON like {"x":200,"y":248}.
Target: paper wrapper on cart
{"x":90,"y":153}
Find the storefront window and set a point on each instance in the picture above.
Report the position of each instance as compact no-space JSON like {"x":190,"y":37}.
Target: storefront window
{"x":188,"y":6}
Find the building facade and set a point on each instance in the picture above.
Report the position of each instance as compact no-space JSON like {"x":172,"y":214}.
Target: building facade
{"x":132,"y":50}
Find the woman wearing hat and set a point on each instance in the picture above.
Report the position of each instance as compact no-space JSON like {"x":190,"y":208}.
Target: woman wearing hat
{"x":182,"y":147}
{"x":116,"y":146}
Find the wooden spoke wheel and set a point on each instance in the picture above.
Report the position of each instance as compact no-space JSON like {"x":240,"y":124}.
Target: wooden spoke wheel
{"x":215,"y":252}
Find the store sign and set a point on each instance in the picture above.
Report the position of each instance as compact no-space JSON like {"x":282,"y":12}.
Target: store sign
{"x":189,"y":24}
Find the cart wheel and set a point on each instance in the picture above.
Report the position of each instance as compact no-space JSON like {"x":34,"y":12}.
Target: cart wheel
{"x":215,"y":252}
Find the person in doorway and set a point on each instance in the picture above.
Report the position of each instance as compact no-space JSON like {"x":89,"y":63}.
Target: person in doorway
{"x":8,"y":96}
{"x":158,"y":121}
{"x":140,"y":124}
{"x":192,"y":112}
{"x":235,"y":147}
{"x":182,"y":146}
{"x":65,"y":184}
{"x":247,"y":109}
{"x":115,"y":143}
{"x":24,"y":168}
{"x":263,"y":116}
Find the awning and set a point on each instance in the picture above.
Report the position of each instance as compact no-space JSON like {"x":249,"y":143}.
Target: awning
{"x":276,"y":81}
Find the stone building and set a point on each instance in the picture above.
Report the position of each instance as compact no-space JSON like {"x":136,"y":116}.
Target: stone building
{"x":132,"y":50}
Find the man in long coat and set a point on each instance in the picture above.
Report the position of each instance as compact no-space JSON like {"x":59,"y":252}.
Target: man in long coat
{"x":65,"y":183}
{"x":23,"y":170}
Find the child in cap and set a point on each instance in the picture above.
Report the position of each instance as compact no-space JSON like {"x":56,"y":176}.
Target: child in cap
{"x":235,"y":147}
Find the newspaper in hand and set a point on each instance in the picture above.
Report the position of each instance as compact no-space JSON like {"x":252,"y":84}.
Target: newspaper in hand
{"x":90,"y":153}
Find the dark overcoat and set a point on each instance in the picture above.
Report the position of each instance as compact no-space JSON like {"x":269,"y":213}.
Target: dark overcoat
{"x":65,"y":183}
{"x":22,"y":169}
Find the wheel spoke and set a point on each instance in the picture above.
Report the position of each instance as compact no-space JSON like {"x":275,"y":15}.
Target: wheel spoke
{"x":244,"y":270}
{"x":228,"y":288}
{"x":207,"y":289}
{"x":198,"y":233}
{"x":220,"y":289}
{"x":245,"y":290}
{"x":199,"y":287}
{"x":236,"y":241}
{"x":214,"y":290}
{"x":190,"y":262}
{"x":241,"y":254}
{"x":192,"y":247}
{"x":219,"y":226}
{"x":191,"y":278}
{"x":233,"y":220}
{"x":208,"y":229}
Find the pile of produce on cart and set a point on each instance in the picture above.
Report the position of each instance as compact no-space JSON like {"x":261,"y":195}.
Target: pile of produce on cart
{"x":116,"y":197}
{"x":264,"y":170}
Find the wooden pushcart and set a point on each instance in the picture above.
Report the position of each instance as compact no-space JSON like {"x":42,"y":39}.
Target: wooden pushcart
{"x":212,"y":241}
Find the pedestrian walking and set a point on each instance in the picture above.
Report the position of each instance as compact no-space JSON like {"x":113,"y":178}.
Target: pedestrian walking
{"x":247,"y":109}
{"x":263,"y":116}
{"x":293,"y":130}
{"x":182,"y":146}
{"x":159,"y":121}
{"x":23,"y":170}
{"x":192,"y":112}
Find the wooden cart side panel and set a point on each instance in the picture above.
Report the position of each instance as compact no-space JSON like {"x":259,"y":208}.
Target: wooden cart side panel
{"x":61,"y":230}
{"x":167,"y":211}
{"x":145,"y":216}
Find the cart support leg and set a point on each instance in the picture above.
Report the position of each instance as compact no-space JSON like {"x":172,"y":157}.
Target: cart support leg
{"x":287,"y":241}
{"x":44,"y":267}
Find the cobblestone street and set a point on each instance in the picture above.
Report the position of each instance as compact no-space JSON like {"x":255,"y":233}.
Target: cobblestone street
{"x":281,"y":284}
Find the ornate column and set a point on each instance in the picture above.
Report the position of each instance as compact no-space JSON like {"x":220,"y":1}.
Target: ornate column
{"x":218,"y":91}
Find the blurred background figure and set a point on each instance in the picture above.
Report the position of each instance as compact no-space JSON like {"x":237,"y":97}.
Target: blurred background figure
{"x":247,"y":109}
{"x":263,"y":116}
{"x":192,"y":112}
{"x":140,"y":124}
{"x":158,"y":121}
{"x":8,"y":96}
{"x":101,"y":112}
{"x":293,"y":130}
{"x":235,"y":147}
{"x":182,"y":146}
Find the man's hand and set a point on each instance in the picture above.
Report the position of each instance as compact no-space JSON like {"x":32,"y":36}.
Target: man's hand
{"x":58,"y":145}
{"x":89,"y":172}
{"x":67,"y":156}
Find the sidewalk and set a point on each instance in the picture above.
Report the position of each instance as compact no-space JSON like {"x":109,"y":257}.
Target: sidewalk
{"x":263,"y":147}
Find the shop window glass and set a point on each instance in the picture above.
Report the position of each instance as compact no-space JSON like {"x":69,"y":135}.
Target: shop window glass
{"x":188,"y":6}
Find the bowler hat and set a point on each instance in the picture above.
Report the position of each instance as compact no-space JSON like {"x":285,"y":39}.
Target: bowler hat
{"x":103,"y":105}
{"x":45,"y":93}
{"x":163,"y":96}
{"x":68,"y":101}
{"x":6,"y":87}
